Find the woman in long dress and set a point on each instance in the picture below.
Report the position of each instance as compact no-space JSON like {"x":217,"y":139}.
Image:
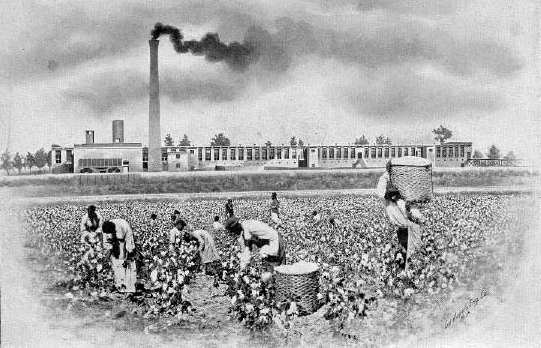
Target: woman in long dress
{"x":120,"y":245}
{"x":402,"y":216}
{"x":207,"y":247}
{"x":256,"y":233}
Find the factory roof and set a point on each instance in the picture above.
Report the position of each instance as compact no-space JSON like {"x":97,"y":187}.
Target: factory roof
{"x":104,"y":145}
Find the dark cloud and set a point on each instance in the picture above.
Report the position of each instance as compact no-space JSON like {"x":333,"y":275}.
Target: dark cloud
{"x":105,"y":92}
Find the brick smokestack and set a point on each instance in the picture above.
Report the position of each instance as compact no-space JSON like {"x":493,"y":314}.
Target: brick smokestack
{"x":118,"y":131}
{"x":154,"y":136}
{"x":89,"y":135}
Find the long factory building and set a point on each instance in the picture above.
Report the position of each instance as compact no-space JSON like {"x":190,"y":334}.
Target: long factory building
{"x":119,"y":156}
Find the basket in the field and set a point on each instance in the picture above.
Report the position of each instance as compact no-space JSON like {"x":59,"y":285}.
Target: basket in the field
{"x":412,"y":176}
{"x":302,"y":288}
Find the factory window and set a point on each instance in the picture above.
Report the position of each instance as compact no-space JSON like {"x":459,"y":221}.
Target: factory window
{"x":331,"y":152}
{"x":224,"y":154}
{"x":241,"y":154}
{"x":58,"y":156}
{"x":271,"y":153}
{"x":294,"y":153}
{"x":373,"y":152}
{"x":178,"y":165}
{"x":346,"y":153}
{"x":366,"y":152}
{"x":339,"y":152}
{"x":249,"y":154}
{"x":413,"y":151}
{"x":264,"y":154}
{"x":352,"y":155}
{"x":438,"y":151}
{"x":399,"y":152}
{"x":393,"y":152}
{"x":380,"y":152}
{"x":462,"y":151}
{"x":101,"y":162}
{"x":257,"y":152}
{"x":216,"y":154}
{"x":233,"y":154}
{"x":125,"y":163}
{"x":177,"y":155}
{"x":444,"y":152}
{"x":456,"y":151}
{"x":405,"y":151}
{"x":208,"y":153}
{"x":324,"y":153}
{"x":69,"y":156}
{"x":279,"y":153}
{"x":286,"y":153}
{"x":200,"y":154}
{"x":386,"y":152}
{"x":192,"y":151}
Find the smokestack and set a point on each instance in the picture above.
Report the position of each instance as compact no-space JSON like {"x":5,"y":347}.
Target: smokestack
{"x":118,"y":131}
{"x":154,"y":136}
{"x":89,"y":136}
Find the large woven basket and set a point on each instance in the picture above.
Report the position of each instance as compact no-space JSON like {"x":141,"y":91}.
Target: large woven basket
{"x":412,"y":176}
{"x":301,"y":288}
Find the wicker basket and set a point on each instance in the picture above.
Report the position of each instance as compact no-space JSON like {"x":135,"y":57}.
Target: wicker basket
{"x":301,"y":288}
{"x":412,"y":176}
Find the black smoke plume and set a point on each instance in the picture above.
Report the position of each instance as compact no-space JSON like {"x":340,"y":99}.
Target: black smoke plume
{"x":238,"y":56}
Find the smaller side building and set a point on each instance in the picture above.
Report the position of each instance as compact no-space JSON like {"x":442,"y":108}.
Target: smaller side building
{"x":108,"y":158}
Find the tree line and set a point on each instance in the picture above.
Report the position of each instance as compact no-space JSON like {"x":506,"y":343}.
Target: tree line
{"x":221,"y":140}
{"x":38,"y":159}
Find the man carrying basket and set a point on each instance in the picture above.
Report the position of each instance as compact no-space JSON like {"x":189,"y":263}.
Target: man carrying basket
{"x":266,"y":238}
{"x":402,"y":211}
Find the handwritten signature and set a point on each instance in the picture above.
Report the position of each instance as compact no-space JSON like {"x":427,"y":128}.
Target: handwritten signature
{"x":465,"y":311}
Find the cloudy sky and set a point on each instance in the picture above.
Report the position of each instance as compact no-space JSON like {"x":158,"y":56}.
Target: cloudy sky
{"x":325,"y":71}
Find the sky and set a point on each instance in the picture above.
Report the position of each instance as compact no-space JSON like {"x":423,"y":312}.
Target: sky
{"x":323,"y":71}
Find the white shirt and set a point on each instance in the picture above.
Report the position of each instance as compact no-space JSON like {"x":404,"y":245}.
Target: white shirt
{"x":254,"y":228}
{"x":86,"y":223}
{"x":123,"y":231}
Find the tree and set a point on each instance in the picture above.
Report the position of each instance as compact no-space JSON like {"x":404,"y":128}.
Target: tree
{"x":18,"y":162}
{"x":361,"y":141}
{"x":293,"y":141}
{"x":6,"y":162}
{"x":185,"y":141}
{"x":220,"y":140}
{"x":49,"y":160}
{"x":510,"y":156}
{"x":30,"y":161}
{"x":268,"y":143}
{"x":442,"y":134}
{"x":300,"y":142}
{"x":477,"y":154}
{"x":383,"y":140}
{"x":168,"y":140}
{"x":40,"y":158}
{"x":493,"y":152}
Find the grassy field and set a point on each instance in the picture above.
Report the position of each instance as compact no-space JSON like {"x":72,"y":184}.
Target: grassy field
{"x":276,"y":180}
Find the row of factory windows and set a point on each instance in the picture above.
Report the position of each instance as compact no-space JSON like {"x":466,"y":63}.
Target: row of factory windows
{"x":250,"y":154}
{"x":58,"y":156}
{"x":450,"y":151}
{"x":100,"y":162}
{"x":269,"y":153}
